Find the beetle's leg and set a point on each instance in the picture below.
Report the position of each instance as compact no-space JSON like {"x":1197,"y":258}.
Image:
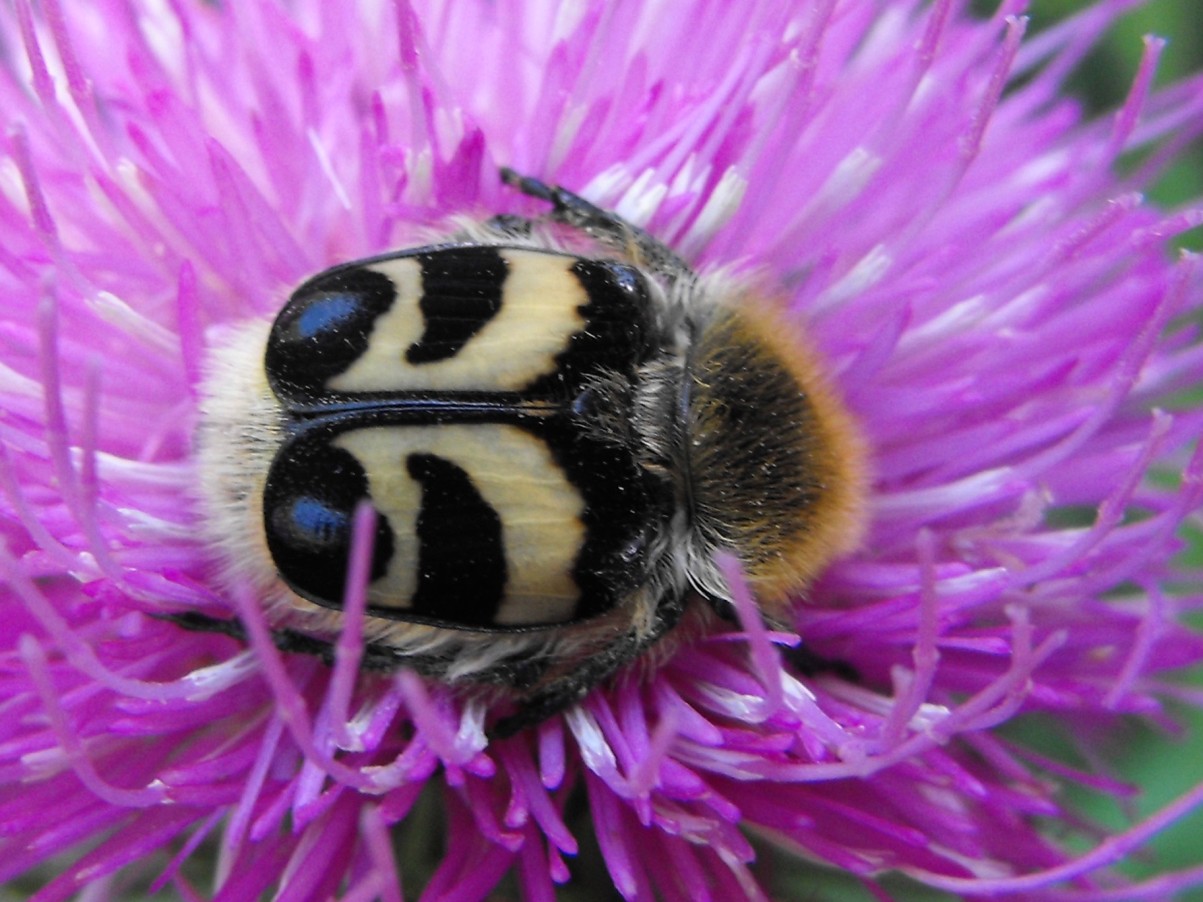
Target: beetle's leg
{"x":376,"y":658}
{"x":203,"y":623}
{"x":801,"y":659}
{"x":515,"y":673}
{"x":569,"y":689}
{"x":607,"y":227}
{"x":553,"y":698}
{"x":510,"y":225}
{"x":805,"y":662}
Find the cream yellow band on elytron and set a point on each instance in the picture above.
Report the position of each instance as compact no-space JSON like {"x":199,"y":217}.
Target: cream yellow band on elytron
{"x":540,"y":312}
{"x":540,"y":511}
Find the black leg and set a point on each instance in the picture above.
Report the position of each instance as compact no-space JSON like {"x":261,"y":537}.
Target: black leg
{"x":572,"y":687}
{"x":801,"y":659}
{"x":553,"y":698}
{"x":376,"y":658}
{"x":809,"y":663}
{"x":515,"y":674}
{"x":608,"y":228}
{"x":509,"y":225}
{"x":203,"y":623}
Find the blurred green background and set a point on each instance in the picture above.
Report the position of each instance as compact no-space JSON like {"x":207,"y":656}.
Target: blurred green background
{"x":1106,"y":75}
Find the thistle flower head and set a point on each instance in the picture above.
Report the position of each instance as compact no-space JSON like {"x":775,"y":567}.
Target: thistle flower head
{"x":997,"y":304}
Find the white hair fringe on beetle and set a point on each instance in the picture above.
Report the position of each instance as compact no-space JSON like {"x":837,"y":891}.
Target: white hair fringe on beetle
{"x":557,"y":422}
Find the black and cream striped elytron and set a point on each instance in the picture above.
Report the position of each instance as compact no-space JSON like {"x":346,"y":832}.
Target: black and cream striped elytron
{"x":446,"y":384}
{"x":557,"y":423}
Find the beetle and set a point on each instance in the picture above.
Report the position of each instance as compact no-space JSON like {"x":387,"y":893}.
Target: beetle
{"x":558,"y":424}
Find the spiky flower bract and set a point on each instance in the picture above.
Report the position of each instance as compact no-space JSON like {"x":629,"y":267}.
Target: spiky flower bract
{"x":998,"y":305}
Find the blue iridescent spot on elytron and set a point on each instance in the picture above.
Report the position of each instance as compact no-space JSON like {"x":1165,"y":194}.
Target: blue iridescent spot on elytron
{"x":318,"y":522}
{"x":326,"y":315}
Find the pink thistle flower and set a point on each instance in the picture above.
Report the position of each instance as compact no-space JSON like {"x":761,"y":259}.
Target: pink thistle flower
{"x":997,"y":304}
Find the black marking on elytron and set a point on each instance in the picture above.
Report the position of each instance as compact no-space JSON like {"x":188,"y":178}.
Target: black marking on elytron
{"x":328,"y":321}
{"x":324,"y":328}
{"x":312,"y":487}
{"x":309,"y":502}
{"x":619,"y":330}
{"x":624,"y":506}
{"x":461,"y":292}
{"x":461,"y":555}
